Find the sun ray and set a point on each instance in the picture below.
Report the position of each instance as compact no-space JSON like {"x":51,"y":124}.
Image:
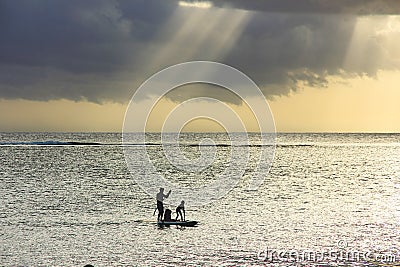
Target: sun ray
{"x":197,"y":4}
{"x":374,"y":42}
{"x":196,"y":34}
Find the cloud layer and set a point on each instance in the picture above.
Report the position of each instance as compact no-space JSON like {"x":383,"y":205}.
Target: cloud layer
{"x":357,"y":7}
{"x":103,"y":50}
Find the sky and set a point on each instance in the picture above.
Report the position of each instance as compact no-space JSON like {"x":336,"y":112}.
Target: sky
{"x":323,"y":66}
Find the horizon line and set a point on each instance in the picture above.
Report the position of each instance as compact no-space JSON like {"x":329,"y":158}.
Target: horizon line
{"x":202,"y":132}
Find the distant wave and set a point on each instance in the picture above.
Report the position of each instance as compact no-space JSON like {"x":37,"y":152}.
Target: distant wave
{"x":202,"y":145}
{"x":50,"y":143}
{"x":79,"y":143}
{"x":75,"y":143}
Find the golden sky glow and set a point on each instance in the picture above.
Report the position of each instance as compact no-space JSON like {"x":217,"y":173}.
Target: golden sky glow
{"x":356,"y":105}
{"x":359,"y":105}
{"x":60,"y":116}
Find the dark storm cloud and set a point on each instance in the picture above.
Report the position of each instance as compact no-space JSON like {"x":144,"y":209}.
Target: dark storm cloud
{"x":102,"y":50}
{"x":292,"y":48}
{"x":73,"y":49}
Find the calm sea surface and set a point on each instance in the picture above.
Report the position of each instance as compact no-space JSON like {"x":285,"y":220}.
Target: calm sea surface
{"x":68,"y":199}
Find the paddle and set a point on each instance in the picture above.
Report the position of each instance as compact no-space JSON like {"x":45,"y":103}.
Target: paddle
{"x":154,"y":213}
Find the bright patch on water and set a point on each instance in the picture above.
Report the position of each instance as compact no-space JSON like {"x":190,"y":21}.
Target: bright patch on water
{"x":70,"y":205}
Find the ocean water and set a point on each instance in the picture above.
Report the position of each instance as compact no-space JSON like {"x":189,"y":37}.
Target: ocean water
{"x":68,"y":199}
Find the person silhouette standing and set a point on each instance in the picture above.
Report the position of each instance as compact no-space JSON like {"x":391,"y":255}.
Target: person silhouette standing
{"x":179,"y":210}
{"x":160,"y":206}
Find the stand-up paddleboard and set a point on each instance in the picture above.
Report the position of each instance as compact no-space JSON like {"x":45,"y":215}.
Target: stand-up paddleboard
{"x":180,"y":223}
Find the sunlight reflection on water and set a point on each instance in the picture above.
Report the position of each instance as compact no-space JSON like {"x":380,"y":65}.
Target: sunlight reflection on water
{"x":73,"y":205}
